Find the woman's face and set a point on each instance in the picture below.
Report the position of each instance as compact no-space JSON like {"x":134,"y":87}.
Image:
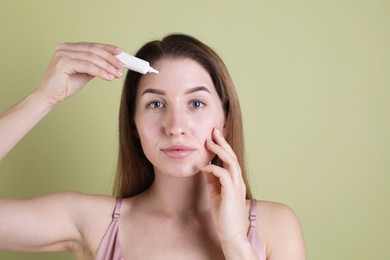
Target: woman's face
{"x":176,"y":111}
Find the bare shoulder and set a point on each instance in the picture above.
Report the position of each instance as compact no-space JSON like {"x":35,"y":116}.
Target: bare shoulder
{"x":91,"y":215}
{"x":82,"y":207}
{"x":66,"y":221}
{"x":275,"y":213}
{"x":280,"y":230}
{"x":88,"y":203}
{"x":94,"y":214}
{"x":77,"y":203}
{"x":72,"y":204}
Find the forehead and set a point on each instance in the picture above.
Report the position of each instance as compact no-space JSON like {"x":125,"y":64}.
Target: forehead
{"x":176,"y":74}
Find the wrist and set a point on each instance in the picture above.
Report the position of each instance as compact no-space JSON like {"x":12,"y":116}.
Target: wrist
{"x":239,"y":248}
{"x":42,"y":100}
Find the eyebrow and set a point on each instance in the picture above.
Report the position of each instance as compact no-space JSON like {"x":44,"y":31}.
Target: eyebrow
{"x":152,"y":91}
{"x":161,"y":92}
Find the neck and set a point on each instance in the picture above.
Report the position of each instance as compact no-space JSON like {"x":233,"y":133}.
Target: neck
{"x":179,"y":197}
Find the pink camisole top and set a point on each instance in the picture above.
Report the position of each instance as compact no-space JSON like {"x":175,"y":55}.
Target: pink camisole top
{"x":110,"y":248}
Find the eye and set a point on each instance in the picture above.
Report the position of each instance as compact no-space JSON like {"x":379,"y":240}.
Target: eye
{"x":155,"y":104}
{"x":197,"y":104}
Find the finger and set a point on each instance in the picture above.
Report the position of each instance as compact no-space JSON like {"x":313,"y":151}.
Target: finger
{"x":105,"y":51}
{"x":230,"y":163}
{"x":220,"y":140}
{"x":215,"y":175}
{"x":222,"y":174}
{"x":83,"y":67}
{"x":89,"y":46}
{"x":94,"y":59}
{"x":213,"y":184}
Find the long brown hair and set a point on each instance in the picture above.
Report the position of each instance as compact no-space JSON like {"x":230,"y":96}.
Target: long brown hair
{"x":135,"y":173}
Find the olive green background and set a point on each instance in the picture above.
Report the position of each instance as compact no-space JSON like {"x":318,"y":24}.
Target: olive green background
{"x":312,"y":76}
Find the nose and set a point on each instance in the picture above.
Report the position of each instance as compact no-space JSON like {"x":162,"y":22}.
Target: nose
{"x":175,"y":123}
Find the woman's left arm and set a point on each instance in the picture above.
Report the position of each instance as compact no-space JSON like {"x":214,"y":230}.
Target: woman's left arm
{"x":227,"y":195}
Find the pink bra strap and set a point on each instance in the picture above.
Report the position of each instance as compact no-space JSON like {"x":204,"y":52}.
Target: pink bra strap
{"x":116,"y":213}
{"x":252,"y":213}
{"x":253,"y":236}
{"x":109,"y":248}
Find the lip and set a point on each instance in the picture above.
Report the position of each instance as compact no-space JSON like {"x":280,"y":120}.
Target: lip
{"x":178,"y":151}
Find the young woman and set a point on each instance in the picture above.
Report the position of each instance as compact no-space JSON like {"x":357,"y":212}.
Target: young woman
{"x":181,"y":190}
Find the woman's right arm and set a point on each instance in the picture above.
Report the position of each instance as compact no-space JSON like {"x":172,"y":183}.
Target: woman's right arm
{"x":72,"y":66}
{"x":53,"y":222}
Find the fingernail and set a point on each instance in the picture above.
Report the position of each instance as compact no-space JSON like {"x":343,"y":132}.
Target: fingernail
{"x":120,"y":64}
{"x":209,"y":141}
{"x":217,"y":131}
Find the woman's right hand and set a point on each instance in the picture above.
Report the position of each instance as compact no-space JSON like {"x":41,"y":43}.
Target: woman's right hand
{"x":73,"y":65}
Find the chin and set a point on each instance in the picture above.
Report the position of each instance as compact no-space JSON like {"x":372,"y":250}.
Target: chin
{"x":188,"y":173}
{"x":182,"y":172}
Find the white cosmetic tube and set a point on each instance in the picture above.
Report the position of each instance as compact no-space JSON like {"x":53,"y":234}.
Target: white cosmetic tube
{"x":135,"y":64}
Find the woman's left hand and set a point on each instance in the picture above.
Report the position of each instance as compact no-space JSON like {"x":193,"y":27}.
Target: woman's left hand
{"x":227,"y":191}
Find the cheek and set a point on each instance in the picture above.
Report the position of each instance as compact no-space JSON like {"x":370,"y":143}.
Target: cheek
{"x":206,"y":130}
{"x":216,"y":121}
{"x":144,"y":125}
{"x":142,"y":137}
{"x":144,"y":132}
